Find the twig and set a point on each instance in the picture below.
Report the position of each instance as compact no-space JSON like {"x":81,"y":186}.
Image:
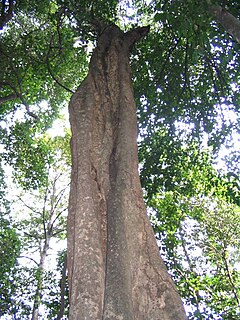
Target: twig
{"x":25,"y":257}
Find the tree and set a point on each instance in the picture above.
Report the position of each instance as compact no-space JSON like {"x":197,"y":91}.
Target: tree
{"x":40,"y":217}
{"x":182,"y":74}
{"x":9,"y":250}
{"x":195,"y":216}
{"x":118,"y":277}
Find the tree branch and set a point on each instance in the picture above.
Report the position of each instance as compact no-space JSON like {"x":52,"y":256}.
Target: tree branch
{"x":58,"y":215}
{"x":229,"y":276}
{"x":16,"y":95}
{"x":9,"y":97}
{"x":6,"y":12}
{"x":230,"y":23}
{"x":51,"y":73}
{"x":166,"y":60}
{"x":31,"y":235}
{"x":29,"y":207}
{"x":25,"y":257}
{"x":136,"y":34}
{"x":56,"y":80}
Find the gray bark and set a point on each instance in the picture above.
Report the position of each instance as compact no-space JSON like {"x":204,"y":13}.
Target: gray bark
{"x":114,"y":267}
{"x":41,"y":267}
{"x":230,"y":23}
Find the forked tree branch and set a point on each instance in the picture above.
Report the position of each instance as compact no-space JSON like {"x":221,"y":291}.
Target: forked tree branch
{"x":136,"y":34}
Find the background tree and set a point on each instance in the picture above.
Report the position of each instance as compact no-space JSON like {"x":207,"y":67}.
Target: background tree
{"x":40,"y":217}
{"x":9,"y":249}
{"x":195,"y":215}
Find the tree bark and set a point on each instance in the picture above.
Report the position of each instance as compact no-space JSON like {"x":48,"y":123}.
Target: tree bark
{"x":227,"y":20}
{"x":39,"y":288}
{"x":63,"y":283}
{"x":6,"y":13}
{"x":114,"y":267}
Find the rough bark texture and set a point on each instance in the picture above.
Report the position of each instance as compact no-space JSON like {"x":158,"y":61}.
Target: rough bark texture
{"x":227,"y":20}
{"x":115,"y":271}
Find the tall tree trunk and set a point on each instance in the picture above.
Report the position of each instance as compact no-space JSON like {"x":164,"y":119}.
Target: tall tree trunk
{"x":115,"y":271}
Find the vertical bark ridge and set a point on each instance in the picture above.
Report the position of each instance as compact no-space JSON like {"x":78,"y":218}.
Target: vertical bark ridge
{"x":115,"y":271}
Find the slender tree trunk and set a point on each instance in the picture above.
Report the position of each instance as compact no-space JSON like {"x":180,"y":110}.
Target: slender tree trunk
{"x":115,"y":271}
{"x":38,"y":293}
{"x":191,"y":287}
{"x":63,"y":283}
{"x":229,"y":276}
{"x":43,"y":252}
